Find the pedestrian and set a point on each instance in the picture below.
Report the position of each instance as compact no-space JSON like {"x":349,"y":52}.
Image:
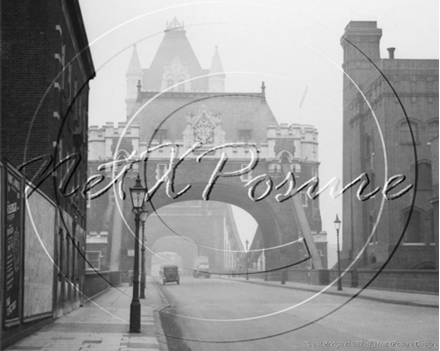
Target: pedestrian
{"x":130,"y":275}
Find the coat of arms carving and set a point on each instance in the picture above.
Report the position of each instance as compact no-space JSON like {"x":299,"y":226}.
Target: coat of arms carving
{"x":204,"y":130}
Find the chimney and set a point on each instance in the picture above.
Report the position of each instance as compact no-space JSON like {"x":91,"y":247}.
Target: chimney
{"x":391,"y":52}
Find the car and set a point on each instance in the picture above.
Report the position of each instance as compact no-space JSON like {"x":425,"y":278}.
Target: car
{"x":170,"y":273}
{"x":201,"y":267}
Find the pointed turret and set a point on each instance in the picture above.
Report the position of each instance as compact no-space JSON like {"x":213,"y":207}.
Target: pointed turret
{"x":134,"y":75}
{"x":217,"y":79}
{"x":134,"y":68}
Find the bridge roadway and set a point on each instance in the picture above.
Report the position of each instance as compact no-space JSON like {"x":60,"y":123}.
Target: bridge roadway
{"x":196,"y":304}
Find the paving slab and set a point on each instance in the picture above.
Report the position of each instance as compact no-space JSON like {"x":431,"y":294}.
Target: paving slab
{"x":103,"y":324}
{"x":386,"y":296}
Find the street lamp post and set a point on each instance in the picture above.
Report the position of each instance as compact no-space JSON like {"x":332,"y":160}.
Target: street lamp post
{"x":144,"y":216}
{"x":246,"y":262}
{"x":137,"y":194}
{"x":338,"y":226}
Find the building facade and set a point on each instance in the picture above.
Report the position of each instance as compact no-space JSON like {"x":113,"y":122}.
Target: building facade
{"x":390,"y":116}
{"x":46,"y":65}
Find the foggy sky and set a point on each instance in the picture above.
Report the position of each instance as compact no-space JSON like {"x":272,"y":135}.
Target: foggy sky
{"x":294,"y":46}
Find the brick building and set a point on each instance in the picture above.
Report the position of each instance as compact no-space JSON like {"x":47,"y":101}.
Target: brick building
{"x":434,"y":200}
{"x":46,"y":65}
{"x":368,"y":95}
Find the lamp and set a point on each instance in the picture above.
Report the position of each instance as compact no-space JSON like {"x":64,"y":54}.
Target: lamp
{"x":137,"y":194}
{"x":337,"y":223}
{"x":246,"y":262}
{"x":144,"y":215}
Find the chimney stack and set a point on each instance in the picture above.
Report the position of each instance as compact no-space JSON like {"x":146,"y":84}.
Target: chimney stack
{"x":391,"y":52}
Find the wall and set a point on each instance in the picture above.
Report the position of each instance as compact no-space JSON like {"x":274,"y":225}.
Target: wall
{"x":425,"y":281}
{"x":39,"y":253}
{"x":399,"y":280}
{"x":96,"y":283}
{"x":29,"y":231}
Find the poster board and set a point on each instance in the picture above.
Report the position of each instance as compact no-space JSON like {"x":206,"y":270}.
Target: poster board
{"x":2,"y":230}
{"x":39,"y":248}
{"x":13,"y":240}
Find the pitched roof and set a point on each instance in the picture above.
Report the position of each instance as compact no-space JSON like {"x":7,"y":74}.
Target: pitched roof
{"x":216,"y":66}
{"x":134,"y":68}
{"x":174,"y":44}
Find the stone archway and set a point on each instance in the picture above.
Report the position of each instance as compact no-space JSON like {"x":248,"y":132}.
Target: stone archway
{"x":281,"y":223}
{"x":267,"y":219}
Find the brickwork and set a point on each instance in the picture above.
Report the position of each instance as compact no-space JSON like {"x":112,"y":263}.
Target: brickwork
{"x":370,"y":133}
{"x":42,"y":80}
{"x":434,"y":200}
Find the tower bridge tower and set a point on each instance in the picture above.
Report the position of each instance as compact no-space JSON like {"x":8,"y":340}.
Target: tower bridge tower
{"x":180,"y":103}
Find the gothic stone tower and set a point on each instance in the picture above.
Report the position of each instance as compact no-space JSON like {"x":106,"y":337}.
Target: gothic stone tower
{"x":176,"y":101}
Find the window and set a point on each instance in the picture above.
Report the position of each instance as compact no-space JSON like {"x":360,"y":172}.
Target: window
{"x":161,"y":135}
{"x":170,"y":83}
{"x":432,"y":130}
{"x":372,"y":185}
{"x":405,"y":133}
{"x":75,"y":93}
{"x":304,"y":200}
{"x":244,"y":135}
{"x":161,"y":170}
{"x":94,"y":260}
{"x":413,"y":232}
{"x":244,"y":131}
{"x":245,"y":177}
{"x":370,"y":230}
{"x":69,"y":84}
{"x":275,"y":170}
{"x":424,"y":176}
{"x":63,"y":65}
{"x":368,"y":146}
{"x":61,"y":168}
{"x":432,"y":220}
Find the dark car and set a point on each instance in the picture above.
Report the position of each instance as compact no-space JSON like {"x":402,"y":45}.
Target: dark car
{"x":170,"y":273}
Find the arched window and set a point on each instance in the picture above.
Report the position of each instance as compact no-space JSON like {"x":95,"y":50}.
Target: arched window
{"x":372,"y":185}
{"x":405,"y":133}
{"x":369,"y":147}
{"x":370,"y":229}
{"x":432,"y":130}
{"x":424,"y":176}
{"x":432,"y":226}
{"x":413,"y":232}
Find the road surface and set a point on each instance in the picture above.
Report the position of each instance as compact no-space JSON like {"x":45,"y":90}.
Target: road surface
{"x":221,"y":314}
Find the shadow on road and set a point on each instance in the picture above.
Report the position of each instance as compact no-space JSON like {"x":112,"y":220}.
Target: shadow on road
{"x":172,"y":330}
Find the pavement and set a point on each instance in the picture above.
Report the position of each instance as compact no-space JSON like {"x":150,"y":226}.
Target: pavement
{"x":386,"y":296}
{"x":103,"y":324}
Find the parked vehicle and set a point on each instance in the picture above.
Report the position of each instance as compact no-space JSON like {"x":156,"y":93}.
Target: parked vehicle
{"x":170,"y":273}
{"x":201,"y":267}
